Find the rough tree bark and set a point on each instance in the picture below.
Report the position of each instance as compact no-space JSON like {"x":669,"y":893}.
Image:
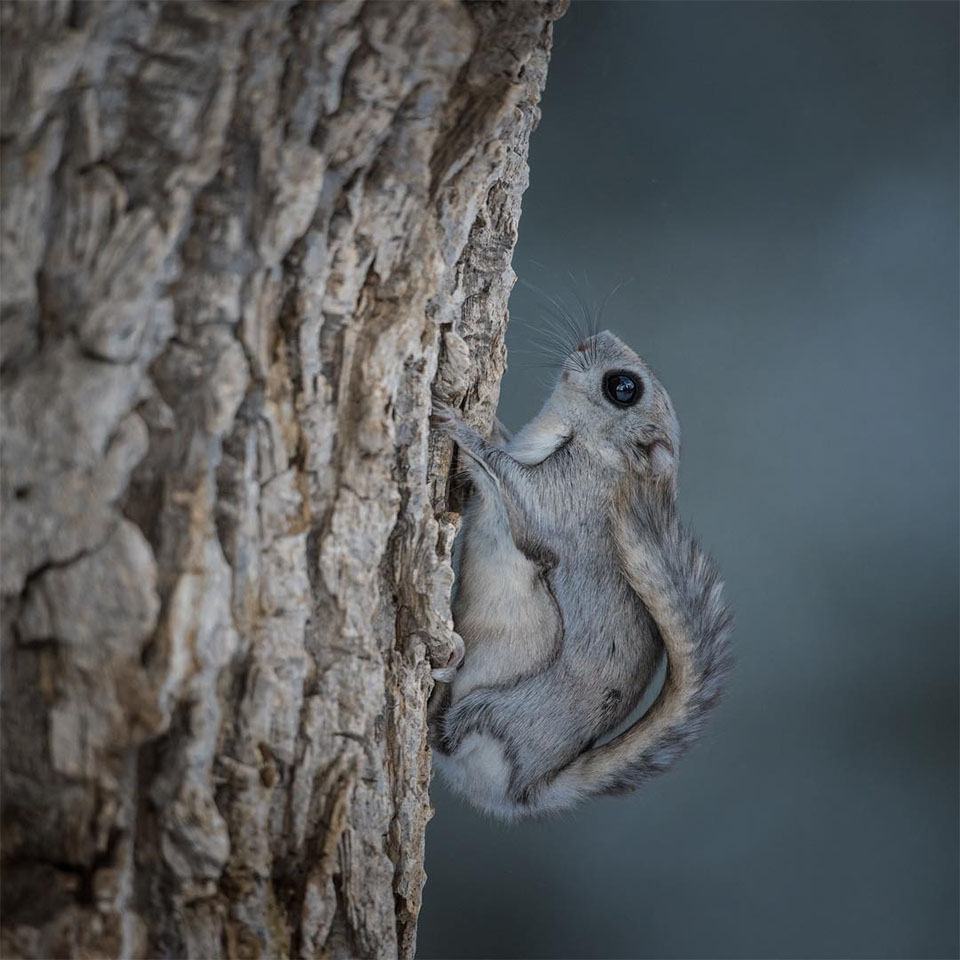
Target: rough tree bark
{"x":241,"y":242}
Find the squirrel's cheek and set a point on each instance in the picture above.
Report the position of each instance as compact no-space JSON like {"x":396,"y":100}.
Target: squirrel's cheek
{"x":662,"y":461}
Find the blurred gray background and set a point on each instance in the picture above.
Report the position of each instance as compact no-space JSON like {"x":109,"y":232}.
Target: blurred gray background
{"x":779,"y":180}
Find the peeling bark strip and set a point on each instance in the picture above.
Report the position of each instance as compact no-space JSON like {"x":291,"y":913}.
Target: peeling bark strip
{"x":240,"y":243}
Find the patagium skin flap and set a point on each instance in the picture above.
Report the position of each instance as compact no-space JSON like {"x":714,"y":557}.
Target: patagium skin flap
{"x":574,"y":577}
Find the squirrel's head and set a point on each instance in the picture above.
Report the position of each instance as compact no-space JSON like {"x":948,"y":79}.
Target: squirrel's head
{"x":617,"y":408}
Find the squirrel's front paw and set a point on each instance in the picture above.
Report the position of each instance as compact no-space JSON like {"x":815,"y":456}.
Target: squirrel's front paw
{"x":445,"y":418}
{"x":446,"y":673}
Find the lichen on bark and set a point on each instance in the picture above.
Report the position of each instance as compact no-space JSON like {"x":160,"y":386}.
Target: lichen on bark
{"x":241,"y":244}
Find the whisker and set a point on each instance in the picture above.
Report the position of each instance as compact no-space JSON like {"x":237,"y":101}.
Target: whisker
{"x":552,"y":343}
{"x":560,"y":312}
{"x":606,"y":300}
{"x":548,"y":331}
{"x":588,"y":308}
{"x":561,"y":326}
{"x":584,"y":309}
{"x":533,"y":360}
{"x":551,"y":329}
{"x":589,"y":316}
{"x":545,"y":351}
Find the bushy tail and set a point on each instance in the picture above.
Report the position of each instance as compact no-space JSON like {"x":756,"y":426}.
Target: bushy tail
{"x":681,"y":587}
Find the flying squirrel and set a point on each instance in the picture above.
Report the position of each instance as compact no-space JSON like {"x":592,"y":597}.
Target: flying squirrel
{"x":574,"y":577}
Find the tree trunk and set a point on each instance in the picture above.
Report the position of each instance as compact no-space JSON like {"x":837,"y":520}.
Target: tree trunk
{"x":241,"y":242}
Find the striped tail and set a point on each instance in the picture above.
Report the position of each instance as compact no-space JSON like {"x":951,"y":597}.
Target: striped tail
{"x":681,"y":588}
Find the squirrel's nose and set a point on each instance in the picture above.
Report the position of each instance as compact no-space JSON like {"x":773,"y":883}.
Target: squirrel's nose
{"x":602,"y":335}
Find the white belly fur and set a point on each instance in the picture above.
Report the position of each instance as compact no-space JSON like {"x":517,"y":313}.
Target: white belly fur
{"x":478,"y":771}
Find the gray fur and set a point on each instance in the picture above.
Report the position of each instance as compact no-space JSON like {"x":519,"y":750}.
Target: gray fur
{"x":574,"y":576}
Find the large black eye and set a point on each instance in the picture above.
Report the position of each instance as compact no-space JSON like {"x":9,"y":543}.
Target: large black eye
{"x":622,"y":389}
